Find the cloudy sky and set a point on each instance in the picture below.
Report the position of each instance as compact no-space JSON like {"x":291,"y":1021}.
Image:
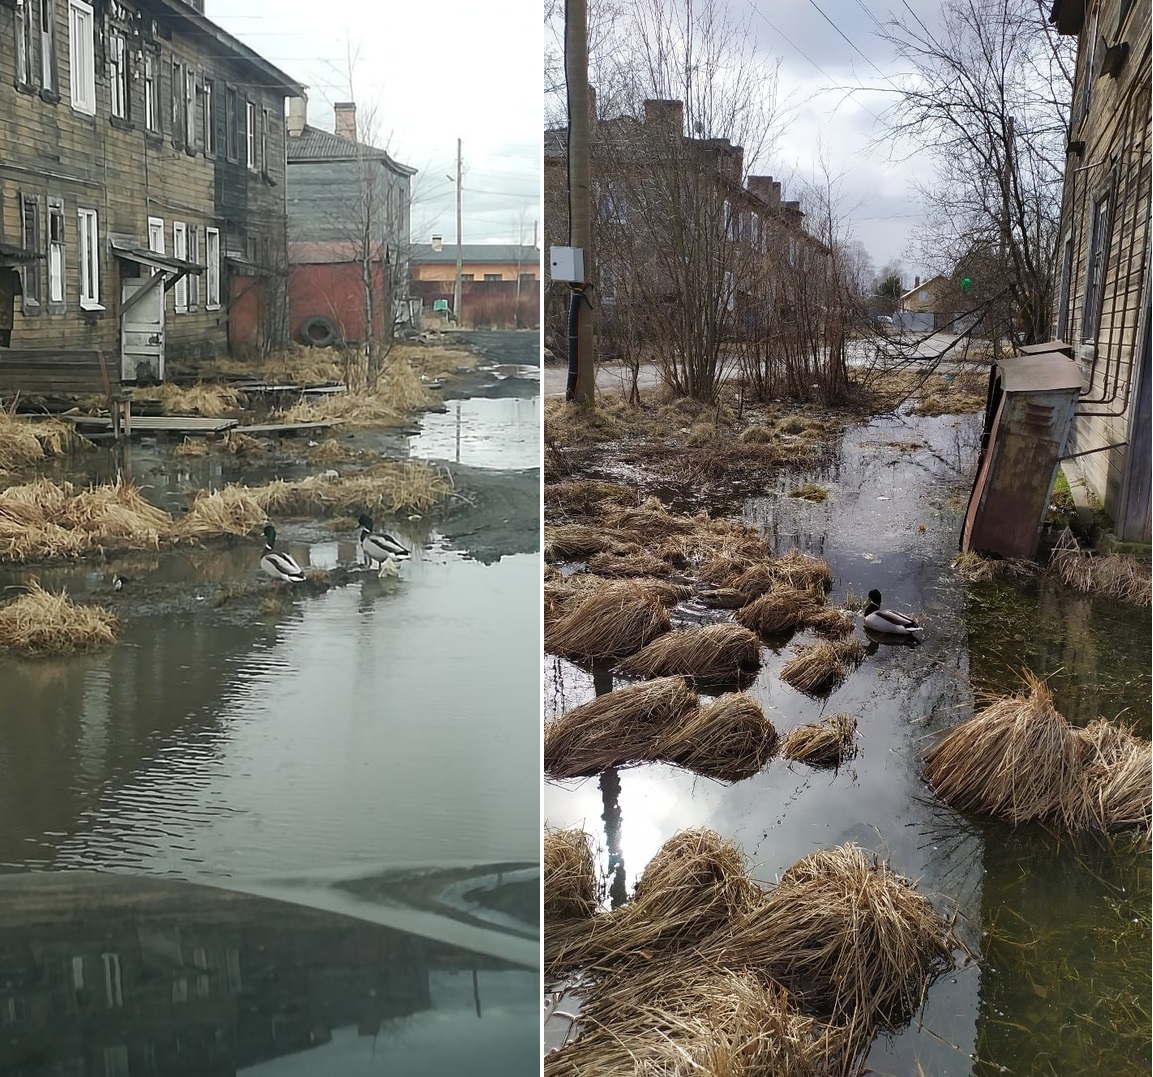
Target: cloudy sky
{"x":434,"y":73}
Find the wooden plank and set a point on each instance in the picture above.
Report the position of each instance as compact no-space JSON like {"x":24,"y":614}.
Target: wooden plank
{"x":283,"y":428}
{"x":176,"y":424}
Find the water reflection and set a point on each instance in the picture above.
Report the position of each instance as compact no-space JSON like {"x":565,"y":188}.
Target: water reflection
{"x":160,"y":978}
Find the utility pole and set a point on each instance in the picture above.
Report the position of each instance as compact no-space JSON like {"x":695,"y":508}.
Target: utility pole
{"x":459,"y":252}
{"x":580,"y":214}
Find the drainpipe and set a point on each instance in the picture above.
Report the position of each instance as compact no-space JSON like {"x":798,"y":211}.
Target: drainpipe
{"x":574,"y":321}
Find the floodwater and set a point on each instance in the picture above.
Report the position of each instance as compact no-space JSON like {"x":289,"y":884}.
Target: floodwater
{"x":1060,"y":927}
{"x":360,"y":763}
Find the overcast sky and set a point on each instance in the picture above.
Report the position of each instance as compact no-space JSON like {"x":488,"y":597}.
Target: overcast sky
{"x":434,"y":73}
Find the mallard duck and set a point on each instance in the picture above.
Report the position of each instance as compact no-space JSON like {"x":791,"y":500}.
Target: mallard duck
{"x":280,"y":566}
{"x":378,"y":547}
{"x":879,"y":620}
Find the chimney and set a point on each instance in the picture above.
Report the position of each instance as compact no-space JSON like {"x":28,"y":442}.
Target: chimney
{"x":665,"y":117}
{"x":344,"y":117}
{"x":438,"y":243}
{"x":766,"y":190}
{"x":916,"y":282}
{"x":297,"y":116}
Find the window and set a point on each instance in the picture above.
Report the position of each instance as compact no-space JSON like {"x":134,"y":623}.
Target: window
{"x":493,"y":276}
{"x":23,"y":44}
{"x":264,"y":140}
{"x":527,"y":278}
{"x":1095,"y":272}
{"x":177,"y":97}
{"x":30,"y":241}
{"x":189,"y":108}
{"x":56,"y":252}
{"x":152,"y":92}
{"x":729,"y":293}
{"x":231,"y":145}
{"x":1066,"y":280}
{"x":81,"y":57}
{"x":78,"y":973}
{"x":112,"y":991}
{"x":756,"y":232}
{"x":156,"y":234}
{"x":208,"y":122}
{"x":180,"y":251}
{"x":89,"y":260}
{"x":250,"y":134}
{"x":118,"y":75}
{"x":1086,"y":95}
{"x":47,"y":10}
{"x":212,"y":275}
{"x":467,"y":276}
{"x":193,"y":256}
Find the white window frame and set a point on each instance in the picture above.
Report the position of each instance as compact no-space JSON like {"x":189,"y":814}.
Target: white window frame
{"x":156,"y":235}
{"x":56,"y":254}
{"x":82,"y":56}
{"x":33,"y":297}
{"x":180,"y":252}
{"x":264,"y":141}
{"x":88,"y":256}
{"x":212,"y":261}
{"x":46,"y":15}
{"x":176,"y":98}
{"x":151,"y":92}
{"x":118,"y":82}
{"x":23,"y":29}
{"x":194,"y":278}
{"x":208,"y":121}
{"x":1096,"y":261}
{"x":190,"y":107}
{"x":250,"y":135}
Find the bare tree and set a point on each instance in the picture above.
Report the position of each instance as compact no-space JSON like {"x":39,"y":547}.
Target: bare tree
{"x":987,"y":100}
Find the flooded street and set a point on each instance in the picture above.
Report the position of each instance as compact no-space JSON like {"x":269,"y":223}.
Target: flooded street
{"x":359,"y":762}
{"x":1060,"y":926}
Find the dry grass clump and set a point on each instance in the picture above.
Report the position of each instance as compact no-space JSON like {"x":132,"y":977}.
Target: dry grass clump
{"x":399,"y":392}
{"x":728,"y":740}
{"x":689,"y":1019}
{"x":810,"y":491}
{"x":45,"y":519}
{"x":612,"y":622}
{"x":821,"y":666}
{"x":782,"y":609}
{"x":578,"y":498}
{"x":331,"y":451}
{"x":231,"y":510}
{"x":210,"y":401}
{"x":237,"y":443}
{"x":636,"y":563}
{"x":615,"y":729}
{"x":24,"y":442}
{"x":569,"y":875}
{"x":40,"y":622}
{"x":757,"y":435}
{"x":1116,"y":575}
{"x":823,"y":744}
{"x":649,"y":521}
{"x":709,"y":654}
{"x":806,"y":573}
{"x":836,"y":624}
{"x":191,"y":446}
{"x":851,"y":938}
{"x":722,"y":598}
{"x":977,"y":569}
{"x":1020,"y":760}
{"x":574,"y":542}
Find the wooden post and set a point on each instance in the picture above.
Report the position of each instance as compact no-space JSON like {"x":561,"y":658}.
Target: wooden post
{"x":577,"y":76}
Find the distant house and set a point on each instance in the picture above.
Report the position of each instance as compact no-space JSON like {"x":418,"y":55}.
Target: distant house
{"x":349,"y":207}
{"x":141,"y":183}
{"x":928,"y":297}
{"x":1103,"y":302}
{"x":500,"y":282}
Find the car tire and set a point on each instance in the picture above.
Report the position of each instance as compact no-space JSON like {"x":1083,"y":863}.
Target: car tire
{"x":318,"y":331}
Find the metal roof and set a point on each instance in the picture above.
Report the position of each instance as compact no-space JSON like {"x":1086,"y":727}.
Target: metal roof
{"x":423,"y":254}
{"x":313,"y":144}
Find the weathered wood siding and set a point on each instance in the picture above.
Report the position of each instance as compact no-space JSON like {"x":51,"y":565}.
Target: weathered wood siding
{"x":127,"y":174}
{"x":1114,"y":163}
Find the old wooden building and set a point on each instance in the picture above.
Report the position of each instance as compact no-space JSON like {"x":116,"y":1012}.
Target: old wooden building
{"x":349,"y":205}
{"x":1103,"y":304}
{"x":142,"y":186}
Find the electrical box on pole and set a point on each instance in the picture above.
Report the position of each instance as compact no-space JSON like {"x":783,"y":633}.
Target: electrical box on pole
{"x":567,"y":264}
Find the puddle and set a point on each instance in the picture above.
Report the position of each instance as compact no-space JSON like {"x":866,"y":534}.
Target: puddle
{"x":1063,"y":984}
{"x":488,"y":433}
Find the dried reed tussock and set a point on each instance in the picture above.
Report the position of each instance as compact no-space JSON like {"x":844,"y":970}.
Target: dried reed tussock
{"x":829,"y":743}
{"x":24,"y":442}
{"x":231,"y":510}
{"x":722,"y":571}
{"x":237,"y":443}
{"x":727,"y":740}
{"x":1116,"y":575}
{"x":191,"y":446}
{"x":399,"y":392}
{"x":782,"y":609}
{"x":574,"y":542}
{"x":615,"y":621}
{"x":758,"y":435}
{"x":1017,"y":759}
{"x":835,"y":624}
{"x":977,"y":569}
{"x":851,"y":938}
{"x":649,"y":522}
{"x":631,"y":564}
{"x":569,"y":874}
{"x":40,"y":622}
{"x":211,"y":401}
{"x":821,"y":666}
{"x":708,"y":1021}
{"x":756,"y":580}
{"x":616,"y":729}
{"x":722,"y":598}
{"x":709,"y":654}
{"x":581,"y":498}
{"x":331,"y":451}
{"x":805,"y":573}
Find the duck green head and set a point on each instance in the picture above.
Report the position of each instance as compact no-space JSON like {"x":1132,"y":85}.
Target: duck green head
{"x":875,"y":596}
{"x":269,"y":535}
{"x":365,"y":521}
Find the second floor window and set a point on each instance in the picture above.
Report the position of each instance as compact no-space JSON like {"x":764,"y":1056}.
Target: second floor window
{"x":30,"y":241}
{"x":177,"y":101}
{"x":1095,"y":272}
{"x":208,"y":120}
{"x":56,"y":251}
{"x":250,"y":134}
{"x":23,"y":44}
{"x":212,"y":268}
{"x":81,"y":57}
{"x":190,"y":107}
{"x":231,"y":145}
{"x":118,"y":75}
{"x":89,"y":259}
{"x":47,"y":16}
{"x":152,"y":92}
{"x":180,"y":251}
